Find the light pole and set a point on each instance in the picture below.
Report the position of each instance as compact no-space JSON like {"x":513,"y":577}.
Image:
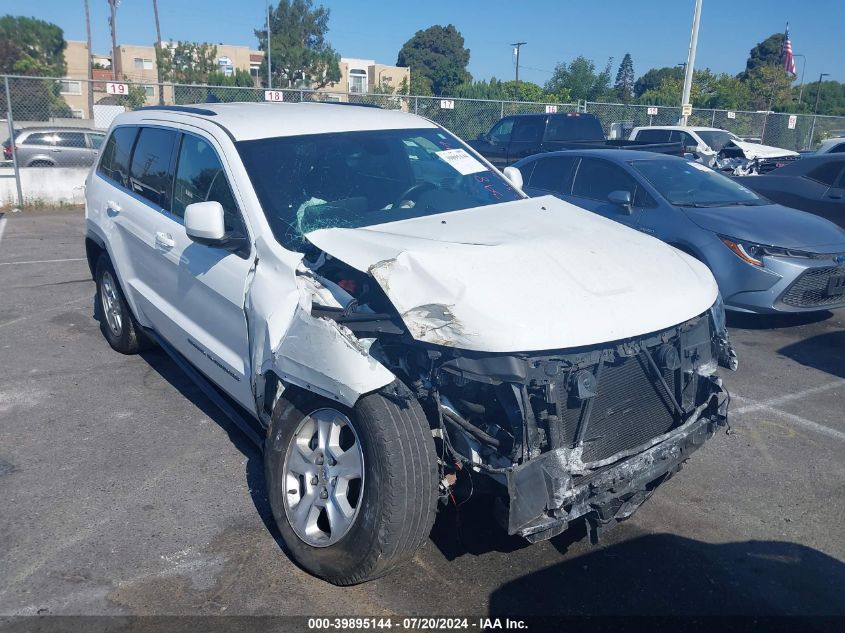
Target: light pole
{"x":269,"y":56}
{"x":693,"y":44}
{"x":517,"y":46}
{"x":809,"y":143}
{"x":158,"y":54}
{"x":803,"y":68}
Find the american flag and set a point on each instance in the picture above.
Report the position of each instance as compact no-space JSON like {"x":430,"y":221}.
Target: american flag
{"x":788,"y":58}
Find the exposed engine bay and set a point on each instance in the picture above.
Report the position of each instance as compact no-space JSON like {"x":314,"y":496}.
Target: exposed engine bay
{"x":555,"y":435}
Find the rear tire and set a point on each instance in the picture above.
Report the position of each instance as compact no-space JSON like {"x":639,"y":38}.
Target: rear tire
{"x":117,"y":323}
{"x":394,"y":508}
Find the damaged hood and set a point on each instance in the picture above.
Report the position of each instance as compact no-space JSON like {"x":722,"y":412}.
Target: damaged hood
{"x":533,"y":274}
{"x":756,"y":150}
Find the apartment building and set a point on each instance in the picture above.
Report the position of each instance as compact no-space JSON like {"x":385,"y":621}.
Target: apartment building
{"x":137,"y":64}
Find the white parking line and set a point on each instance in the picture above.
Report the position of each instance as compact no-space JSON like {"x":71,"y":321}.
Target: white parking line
{"x":789,"y":397}
{"x":2,"y":227}
{"x":42,"y":261}
{"x":807,"y":424}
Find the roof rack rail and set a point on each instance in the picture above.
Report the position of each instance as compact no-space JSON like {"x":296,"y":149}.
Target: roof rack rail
{"x":180,"y":108}
{"x":346,"y":103}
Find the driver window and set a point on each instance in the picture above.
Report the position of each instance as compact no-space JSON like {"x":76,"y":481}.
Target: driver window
{"x":200,"y":178}
{"x":501,"y":132}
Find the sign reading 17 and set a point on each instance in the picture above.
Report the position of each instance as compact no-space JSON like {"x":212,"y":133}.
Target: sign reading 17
{"x":114,"y":88}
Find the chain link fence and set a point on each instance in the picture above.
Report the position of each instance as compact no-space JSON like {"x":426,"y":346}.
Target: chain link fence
{"x":42,"y":110}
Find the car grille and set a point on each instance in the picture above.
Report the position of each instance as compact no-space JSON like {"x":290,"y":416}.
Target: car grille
{"x":810,"y":289}
{"x":770,"y":164}
{"x":631,"y":407}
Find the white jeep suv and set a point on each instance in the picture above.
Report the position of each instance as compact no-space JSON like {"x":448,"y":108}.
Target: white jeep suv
{"x":398,"y":325}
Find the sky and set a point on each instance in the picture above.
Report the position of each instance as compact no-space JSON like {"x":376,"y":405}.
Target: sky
{"x":655,"y":32}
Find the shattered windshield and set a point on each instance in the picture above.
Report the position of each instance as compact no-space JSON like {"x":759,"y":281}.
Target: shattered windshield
{"x":354,"y":179}
{"x":688,"y":184}
{"x":717,"y":139}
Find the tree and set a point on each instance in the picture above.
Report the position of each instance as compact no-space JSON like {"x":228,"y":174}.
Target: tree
{"x":579,"y":80}
{"x":438,"y":60}
{"x":186,"y":62}
{"x":300,"y":54}
{"x":624,"y":84}
{"x":31,"y":47}
{"x":238,"y":79}
{"x":502,"y":90}
{"x":769,"y":52}
{"x":767,"y":87}
{"x":653,"y":79}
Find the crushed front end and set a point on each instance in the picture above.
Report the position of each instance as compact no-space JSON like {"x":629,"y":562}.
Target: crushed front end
{"x":582,"y":433}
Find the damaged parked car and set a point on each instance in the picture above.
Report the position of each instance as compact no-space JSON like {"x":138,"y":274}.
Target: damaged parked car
{"x":398,"y":325}
{"x":722,"y":150}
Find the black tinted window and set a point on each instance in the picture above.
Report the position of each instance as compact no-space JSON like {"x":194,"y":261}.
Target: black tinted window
{"x":826,"y":173}
{"x":684,"y":139}
{"x":70,"y":139}
{"x":40,"y":138}
{"x":595,"y":179}
{"x":200,"y":178}
{"x":838,"y":149}
{"x":501,"y":132}
{"x":653,"y":136}
{"x":553,"y":174}
{"x":528,"y":130}
{"x":150,"y":173}
{"x":574,"y":127}
{"x":115,"y":162}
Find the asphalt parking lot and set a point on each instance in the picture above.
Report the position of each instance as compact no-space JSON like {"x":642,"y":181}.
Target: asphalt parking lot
{"x":123,"y":492}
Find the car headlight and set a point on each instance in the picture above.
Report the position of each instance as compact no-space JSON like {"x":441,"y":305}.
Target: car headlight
{"x":753,"y":253}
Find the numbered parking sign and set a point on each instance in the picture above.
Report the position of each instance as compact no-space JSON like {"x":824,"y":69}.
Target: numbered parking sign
{"x":114,"y":88}
{"x":447,"y":104}
{"x":731,"y":115}
{"x":274,"y":95}
{"x":551,"y":109}
{"x":652,"y":110}
{"x":793,"y":120}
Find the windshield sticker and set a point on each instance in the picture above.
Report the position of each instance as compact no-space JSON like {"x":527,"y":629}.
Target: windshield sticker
{"x":461,"y":162}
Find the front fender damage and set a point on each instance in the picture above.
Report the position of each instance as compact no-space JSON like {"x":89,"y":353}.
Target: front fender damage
{"x":314,"y":353}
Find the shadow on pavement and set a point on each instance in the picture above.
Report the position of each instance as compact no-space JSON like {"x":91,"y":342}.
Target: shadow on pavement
{"x":170,"y":372}
{"x":824,"y":351}
{"x":668,"y":575}
{"x":775,"y":321}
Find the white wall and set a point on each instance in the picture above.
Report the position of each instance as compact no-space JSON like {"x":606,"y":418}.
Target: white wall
{"x":47,"y":185}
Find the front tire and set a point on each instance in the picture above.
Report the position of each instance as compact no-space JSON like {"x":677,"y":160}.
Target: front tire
{"x":353,"y":491}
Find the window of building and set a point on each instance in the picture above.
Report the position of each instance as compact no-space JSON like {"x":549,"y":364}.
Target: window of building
{"x":143,"y":64}
{"x":149,"y":91}
{"x":225,"y":66}
{"x":70,"y":87}
{"x":77,"y":113}
{"x":357,"y":80}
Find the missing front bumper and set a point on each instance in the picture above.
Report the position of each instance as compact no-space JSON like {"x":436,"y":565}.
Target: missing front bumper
{"x":549,"y":491}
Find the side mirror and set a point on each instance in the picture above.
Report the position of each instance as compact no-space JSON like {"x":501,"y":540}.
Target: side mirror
{"x":622,"y":199}
{"x":514,"y":176}
{"x":205,"y":224}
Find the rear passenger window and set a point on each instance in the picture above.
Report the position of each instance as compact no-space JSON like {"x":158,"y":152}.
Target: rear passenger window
{"x":200,"y":178}
{"x":150,"y":174}
{"x":553,"y":174}
{"x":40,"y":138}
{"x":597,"y":178}
{"x":115,"y":162}
{"x":825,"y":173}
{"x":653,"y":136}
{"x":838,"y":149}
{"x":70,"y":139}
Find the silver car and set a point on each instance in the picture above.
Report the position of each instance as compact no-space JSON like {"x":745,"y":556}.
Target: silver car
{"x":55,"y":146}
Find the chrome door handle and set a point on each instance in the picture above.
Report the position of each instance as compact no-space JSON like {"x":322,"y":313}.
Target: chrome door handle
{"x":164,"y":240}
{"x":112,"y":206}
